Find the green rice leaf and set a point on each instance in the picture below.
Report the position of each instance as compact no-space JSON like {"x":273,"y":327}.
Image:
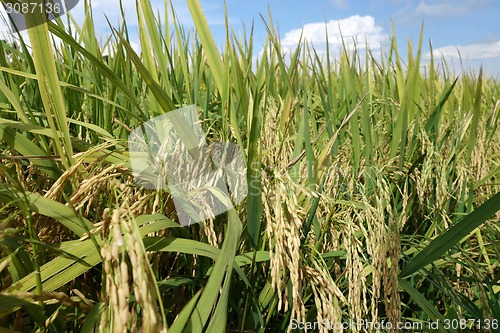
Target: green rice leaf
{"x":427,"y":306}
{"x":8,"y":302}
{"x":452,"y":237}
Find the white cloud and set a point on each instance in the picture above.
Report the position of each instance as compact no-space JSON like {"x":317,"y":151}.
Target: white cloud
{"x":342,"y":4}
{"x":361,"y":30}
{"x":447,"y":7}
{"x":469,"y":52}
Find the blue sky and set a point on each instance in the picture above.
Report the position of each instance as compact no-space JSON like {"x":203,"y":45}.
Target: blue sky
{"x":453,"y":26}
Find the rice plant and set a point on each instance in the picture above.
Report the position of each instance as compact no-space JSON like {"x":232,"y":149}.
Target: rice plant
{"x":373,"y":186}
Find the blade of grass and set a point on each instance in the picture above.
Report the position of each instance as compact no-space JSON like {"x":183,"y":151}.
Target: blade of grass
{"x":25,"y":147}
{"x":451,"y":237}
{"x":210,"y":300}
{"x":8,"y":302}
{"x":424,"y":304}
{"x":476,"y":116}
{"x":214,"y":59}
{"x":49,"y":86}
{"x":44,"y":206}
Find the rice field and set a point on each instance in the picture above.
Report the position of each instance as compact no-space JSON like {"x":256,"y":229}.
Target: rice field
{"x":373,"y":186}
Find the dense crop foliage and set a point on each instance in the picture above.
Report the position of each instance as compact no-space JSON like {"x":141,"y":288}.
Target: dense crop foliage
{"x":373,"y":184}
